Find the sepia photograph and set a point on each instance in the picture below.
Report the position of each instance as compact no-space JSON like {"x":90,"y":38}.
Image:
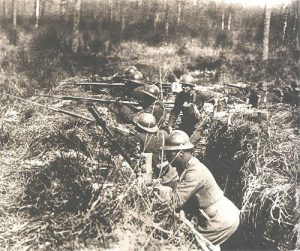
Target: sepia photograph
{"x":149,"y":125}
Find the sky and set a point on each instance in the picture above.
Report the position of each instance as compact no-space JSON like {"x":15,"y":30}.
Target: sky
{"x":259,"y":2}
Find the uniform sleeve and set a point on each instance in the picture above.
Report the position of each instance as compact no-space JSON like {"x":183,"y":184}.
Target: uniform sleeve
{"x":186,"y":188}
{"x":157,"y":109}
{"x":179,"y":101}
{"x":127,"y":114}
{"x":204,"y":96}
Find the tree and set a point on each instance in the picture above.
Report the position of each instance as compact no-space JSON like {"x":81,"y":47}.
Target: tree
{"x":298,"y":30}
{"x":62,"y":9}
{"x":167,"y":19}
{"x":37,"y":13}
{"x":148,"y":9}
{"x":76,"y":45}
{"x":223,"y":18}
{"x":267,"y":22}
{"x":229,"y":22}
{"x":123,"y":19}
{"x":4,"y":9}
{"x":14,"y":14}
{"x":286,"y":14}
{"x":179,"y":10}
{"x":111,"y":11}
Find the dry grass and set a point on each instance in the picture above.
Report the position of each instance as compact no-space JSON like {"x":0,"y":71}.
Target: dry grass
{"x":63,"y":188}
{"x":70,"y":195}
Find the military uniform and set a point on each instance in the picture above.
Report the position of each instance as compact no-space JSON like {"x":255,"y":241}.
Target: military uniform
{"x":198,"y":191}
{"x":257,"y":98}
{"x":292,"y":96}
{"x":143,"y":142}
{"x":186,"y":102}
{"x":157,"y":109}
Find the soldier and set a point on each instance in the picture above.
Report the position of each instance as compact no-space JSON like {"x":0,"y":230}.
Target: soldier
{"x":150,"y":104}
{"x":133,"y":73}
{"x":197,"y":192}
{"x":188,"y":101}
{"x":257,"y":97}
{"x":150,"y":139}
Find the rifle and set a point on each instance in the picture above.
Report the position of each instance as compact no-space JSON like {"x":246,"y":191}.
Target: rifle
{"x":241,"y":86}
{"x":72,"y":114}
{"x":102,"y":123}
{"x":134,"y":104}
{"x":116,"y":81}
{"x":100,"y":84}
{"x":122,"y":82}
{"x":100,"y":100}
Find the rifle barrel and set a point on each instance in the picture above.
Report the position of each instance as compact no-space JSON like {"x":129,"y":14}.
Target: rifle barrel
{"x":70,"y":113}
{"x":98,"y":100}
{"x":100,"y":84}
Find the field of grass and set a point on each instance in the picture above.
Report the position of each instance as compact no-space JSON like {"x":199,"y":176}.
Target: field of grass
{"x":63,"y":186}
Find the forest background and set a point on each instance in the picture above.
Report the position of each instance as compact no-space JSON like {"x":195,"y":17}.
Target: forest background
{"x":56,"y":39}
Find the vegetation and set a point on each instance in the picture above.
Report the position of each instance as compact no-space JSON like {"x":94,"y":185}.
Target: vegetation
{"x":64,"y":187}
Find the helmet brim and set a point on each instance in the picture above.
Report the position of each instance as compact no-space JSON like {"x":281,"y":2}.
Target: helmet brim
{"x":188,"y":85}
{"x":180,"y":147}
{"x":149,"y":94}
{"x":147,"y":129}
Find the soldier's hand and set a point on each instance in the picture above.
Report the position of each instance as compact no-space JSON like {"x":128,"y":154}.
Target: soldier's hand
{"x":169,"y":129}
{"x":119,"y":102}
{"x":163,"y":193}
{"x":155,"y":183}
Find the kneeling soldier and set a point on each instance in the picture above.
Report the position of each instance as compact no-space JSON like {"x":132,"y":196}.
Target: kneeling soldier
{"x":198,"y":193}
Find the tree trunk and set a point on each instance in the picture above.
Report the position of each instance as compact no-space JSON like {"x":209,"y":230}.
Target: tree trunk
{"x":62,"y":9}
{"x":179,"y":10}
{"x":76,"y":46}
{"x":148,"y":9}
{"x":156,"y":19}
{"x":123,"y":20}
{"x":298,"y":31}
{"x":43,"y":7}
{"x":37,"y":13}
{"x":24,"y":8}
{"x":223,"y":17}
{"x":286,"y":14}
{"x":167,"y":20}
{"x":4,"y":12}
{"x":117,"y":12}
{"x":266,"y":33}
{"x":229,"y":22}
{"x":111,"y":11}
{"x":14,"y":14}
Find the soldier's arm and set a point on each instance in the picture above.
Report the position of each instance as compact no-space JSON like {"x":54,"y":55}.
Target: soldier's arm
{"x":186,"y":188}
{"x":126,"y":113}
{"x":176,"y":109}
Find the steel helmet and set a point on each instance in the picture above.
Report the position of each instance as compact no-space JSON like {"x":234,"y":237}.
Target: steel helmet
{"x":151,"y":90}
{"x":177,"y":140}
{"x":130,"y":70}
{"x":137,"y":75}
{"x":186,"y":78}
{"x":146,"y":121}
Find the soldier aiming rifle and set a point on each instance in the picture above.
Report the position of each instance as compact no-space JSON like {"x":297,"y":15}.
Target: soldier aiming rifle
{"x":150,"y":104}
